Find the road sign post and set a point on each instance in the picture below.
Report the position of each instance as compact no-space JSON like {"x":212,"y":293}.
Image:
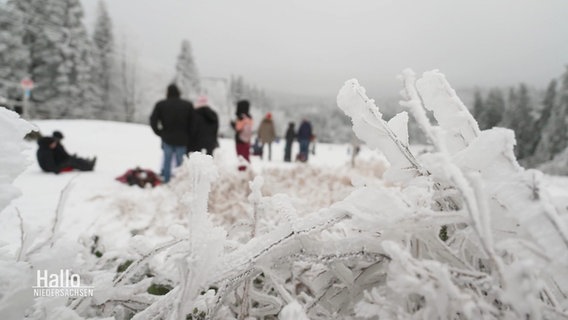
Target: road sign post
{"x":27,"y":85}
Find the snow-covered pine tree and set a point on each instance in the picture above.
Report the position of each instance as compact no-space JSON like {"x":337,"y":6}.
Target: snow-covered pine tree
{"x":493,"y":110}
{"x":14,"y":58}
{"x":547,"y":105}
{"x":34,"y":39}
{"x":477,"y":104}
{"x":259,"y":99}
{"x":103,"y":64}
{"x":518,"y":117}
{"x":127,"y":85}
{"x":555,"y":133}
{"x":187,"y":76}
{"x":237,"y":88}
{"x":60,"y":56}
{"x":541,"y":152}
{"x":77,"y":51}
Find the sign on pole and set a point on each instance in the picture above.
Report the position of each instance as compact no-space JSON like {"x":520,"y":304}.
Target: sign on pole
{"x":27,"y":84}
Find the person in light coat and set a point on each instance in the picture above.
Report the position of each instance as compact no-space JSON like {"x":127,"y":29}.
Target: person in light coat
{"x":267,"y":134}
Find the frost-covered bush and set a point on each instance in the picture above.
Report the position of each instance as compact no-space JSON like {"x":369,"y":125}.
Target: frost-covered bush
{"x":15,"y":277}
{"x":507,"y":246}
{"x":12,"y":163}
{"x":459,"y":231}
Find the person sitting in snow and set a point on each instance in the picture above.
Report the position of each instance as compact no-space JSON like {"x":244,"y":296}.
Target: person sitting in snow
{"x":52,"y":156}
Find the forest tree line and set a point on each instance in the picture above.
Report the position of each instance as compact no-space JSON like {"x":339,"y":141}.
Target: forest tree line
{"x":539,"y":119}
{"x":93,"y":75}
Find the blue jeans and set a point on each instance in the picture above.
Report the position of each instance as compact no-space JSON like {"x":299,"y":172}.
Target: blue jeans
{"x":304,"y":148}
{"x":169,"y":152}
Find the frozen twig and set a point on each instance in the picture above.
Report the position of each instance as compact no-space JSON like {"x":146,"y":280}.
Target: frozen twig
{"x":139,"y":262}
{"x":22,"y":236}
{"x":63,"y":196}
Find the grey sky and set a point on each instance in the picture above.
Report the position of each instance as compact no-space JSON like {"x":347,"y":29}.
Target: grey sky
{"x":313,"y":46}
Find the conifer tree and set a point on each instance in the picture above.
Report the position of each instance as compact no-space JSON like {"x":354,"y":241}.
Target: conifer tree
{"x":237,"y":88}
{"x":519,"y":118}
{"x":187,"y":77}
{"x":60,"y":56}
{"x":26,"y":18}
{"x":493,"y":110}
{"x":14,"y":57}
{"x":477,"y":104}
{"x":39,"y":37}
{"x":541,"y":152}
{"x":548,"y":104}
{"x":103,"y":65}
{"x":127,"y":83}
{"x":554,"y":137}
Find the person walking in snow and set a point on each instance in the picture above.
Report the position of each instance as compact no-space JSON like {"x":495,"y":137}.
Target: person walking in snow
{"x":170,"y":120}
{"x":304,"y":138}
{"x":204,"y":128}
{"x":52,"y":156}
{"x":267,"y":134}
{"x":243,"y":130}
{"x":290,"y":137}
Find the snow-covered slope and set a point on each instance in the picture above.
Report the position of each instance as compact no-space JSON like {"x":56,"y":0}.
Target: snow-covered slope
{"x":121,"y":146}
{"x":458,"y":231}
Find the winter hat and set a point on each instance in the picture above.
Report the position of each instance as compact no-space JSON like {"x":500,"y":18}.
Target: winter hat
{"x":57,"y":135}
{"x":268,"y":115}
{"x":173,"y":91}
{"x":201,"y":101}
{"x":243,"y":107}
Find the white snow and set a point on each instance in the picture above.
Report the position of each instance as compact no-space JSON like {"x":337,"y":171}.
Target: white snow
{"x":309,"y":240}
{"x":98,"y":201}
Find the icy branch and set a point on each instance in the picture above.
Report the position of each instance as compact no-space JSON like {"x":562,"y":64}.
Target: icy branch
{"x":370,"y":127}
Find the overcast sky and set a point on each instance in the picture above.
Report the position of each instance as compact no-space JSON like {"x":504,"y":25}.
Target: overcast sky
{"x":314,"y":46}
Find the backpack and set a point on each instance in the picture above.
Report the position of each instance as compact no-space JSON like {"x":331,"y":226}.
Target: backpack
{"x":140,"y":177}
{"x":257,"y":148}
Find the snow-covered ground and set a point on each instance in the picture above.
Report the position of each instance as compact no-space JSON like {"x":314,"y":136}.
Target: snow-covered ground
{"x":98,"y":204}
{"x":282,"y":252}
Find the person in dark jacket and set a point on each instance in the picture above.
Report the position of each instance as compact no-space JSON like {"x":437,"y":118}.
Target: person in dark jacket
{"x":205,"y":128}
{"x":304,"y":138}
{"x":170,"y":120}
{"x":290,"y":136}
{"x":52,"y":156}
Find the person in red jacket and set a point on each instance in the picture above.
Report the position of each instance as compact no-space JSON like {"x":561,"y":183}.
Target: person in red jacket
{"x":243,"y":130}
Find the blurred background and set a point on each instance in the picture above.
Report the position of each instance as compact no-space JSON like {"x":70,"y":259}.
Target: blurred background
{"x":112,"y":60}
